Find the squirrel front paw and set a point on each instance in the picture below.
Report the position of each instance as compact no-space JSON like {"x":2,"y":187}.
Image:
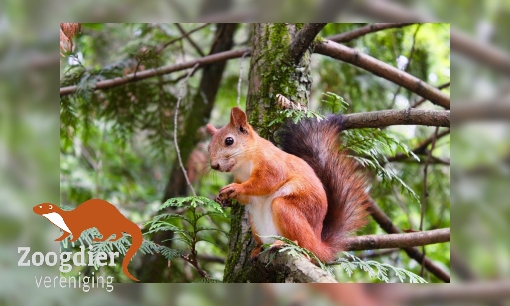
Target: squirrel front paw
{"x":229,"y":192}
{"x":223,"y":202}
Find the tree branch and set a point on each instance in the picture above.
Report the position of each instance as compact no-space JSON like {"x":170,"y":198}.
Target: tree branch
{"x":295,"y":269}
{"x":434,"y":160}
{"x":303,"y":39}
{"x":387,"y":225}
{"x":140,"y":75}
{"x":371,"y":242}
{"x":191,"y":41}
{"x":460,"y":42}
{"x":356,"y":58}
{"x":397,"y":117}
{"x":184,"y":35}
{"x":419,"y":102}
{"x":371,"y":28}
{"x":421,"y":148}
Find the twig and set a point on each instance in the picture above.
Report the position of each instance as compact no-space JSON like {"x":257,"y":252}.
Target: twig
{"x":397,"y":117}
{"x":425,"y":190}
{"x":406,"y":240}
{"x":175,"y":129}
{"x":359,"y":59}
{"x":240,"y":79}
{"x":371,"y":28}
{"x":421,"y":148}
{"x":191,"y":41}
{"x":193,"y":261}
{"x":434,"y":160}
{"x":425,"y":171}
{"x":159,"y":49}
{"x":419,"y":102}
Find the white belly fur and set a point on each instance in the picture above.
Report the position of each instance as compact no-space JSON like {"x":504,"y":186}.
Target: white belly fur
{"x":57,"y":219}
{"x":262,"y":216}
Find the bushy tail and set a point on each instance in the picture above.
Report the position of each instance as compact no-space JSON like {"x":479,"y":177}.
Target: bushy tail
{"x":136,"y":242}
{"x":318,"y":143}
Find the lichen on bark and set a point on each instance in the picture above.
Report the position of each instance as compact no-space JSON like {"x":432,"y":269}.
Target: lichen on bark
{"x":271,"y":72}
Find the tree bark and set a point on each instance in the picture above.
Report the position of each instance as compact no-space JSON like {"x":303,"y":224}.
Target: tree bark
{"x":407,"y":240}
{"x":272,"y":71}
{"x":408,"y":116}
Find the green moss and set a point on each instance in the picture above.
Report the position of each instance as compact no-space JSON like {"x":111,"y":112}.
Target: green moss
{"x":278,"y":75}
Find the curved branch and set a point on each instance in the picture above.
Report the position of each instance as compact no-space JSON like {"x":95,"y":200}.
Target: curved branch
{"x":206,"y":60}
{"x":371,"y":28}
{"x":295,"y":269}
{"x":359,"y":59}
{"x":397,"y":117}
{"x":421,"y":148}
{"x":303,"y":39}
{"x":371,"y":242}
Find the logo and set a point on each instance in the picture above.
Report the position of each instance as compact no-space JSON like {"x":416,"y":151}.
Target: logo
{"x":102,"y":215}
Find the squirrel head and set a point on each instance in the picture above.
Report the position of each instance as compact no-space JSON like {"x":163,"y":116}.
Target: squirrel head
{"x":230,"y":144}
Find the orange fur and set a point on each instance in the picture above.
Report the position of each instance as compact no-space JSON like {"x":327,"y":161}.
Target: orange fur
{"x":283,"y":192}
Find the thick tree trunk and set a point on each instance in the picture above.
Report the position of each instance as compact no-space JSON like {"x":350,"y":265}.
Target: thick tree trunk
{"x":272,"y":71}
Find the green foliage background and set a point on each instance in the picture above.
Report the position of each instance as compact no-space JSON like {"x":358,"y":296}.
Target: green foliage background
{"x":117,"y":144}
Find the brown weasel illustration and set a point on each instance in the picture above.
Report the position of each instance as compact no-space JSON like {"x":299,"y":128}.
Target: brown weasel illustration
{"x":94,"y":213}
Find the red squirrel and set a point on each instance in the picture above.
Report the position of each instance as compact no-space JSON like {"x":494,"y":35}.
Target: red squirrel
{"x":94,"y":213}
{"x":309,"y":191}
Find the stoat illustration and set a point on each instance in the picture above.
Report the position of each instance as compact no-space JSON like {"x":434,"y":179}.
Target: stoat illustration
{"x":97,"y":213}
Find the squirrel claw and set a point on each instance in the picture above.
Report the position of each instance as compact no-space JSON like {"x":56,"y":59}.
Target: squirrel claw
{"x":229,"y":191}
{"x":223,"y":202}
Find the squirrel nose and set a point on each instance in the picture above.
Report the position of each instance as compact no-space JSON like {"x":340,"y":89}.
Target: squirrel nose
{"x":215,"y":166}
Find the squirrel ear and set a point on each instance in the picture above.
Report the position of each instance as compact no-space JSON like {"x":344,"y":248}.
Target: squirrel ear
{"x":238,"y":119}
{"x":211,"y":129}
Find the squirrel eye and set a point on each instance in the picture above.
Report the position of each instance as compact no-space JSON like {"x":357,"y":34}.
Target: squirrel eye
{"x":51,"y":207}
{"x":40,"y":206}
{"x":229,"y":141}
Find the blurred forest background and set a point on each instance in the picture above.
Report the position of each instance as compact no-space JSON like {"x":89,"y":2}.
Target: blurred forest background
{"x":117,"y":143}
{"x":29,"y":146}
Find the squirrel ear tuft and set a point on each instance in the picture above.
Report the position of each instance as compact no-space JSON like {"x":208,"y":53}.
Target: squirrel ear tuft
{"x":211,"y":129}
{"x":238,"y":119}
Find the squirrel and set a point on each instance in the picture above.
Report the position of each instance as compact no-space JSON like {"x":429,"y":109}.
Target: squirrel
{"x":94,"y":213}
{"x":309,"y":191}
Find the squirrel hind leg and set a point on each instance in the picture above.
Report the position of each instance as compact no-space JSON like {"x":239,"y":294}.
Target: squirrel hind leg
{"x":293,"y":224}
{"x":258,"y":242}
